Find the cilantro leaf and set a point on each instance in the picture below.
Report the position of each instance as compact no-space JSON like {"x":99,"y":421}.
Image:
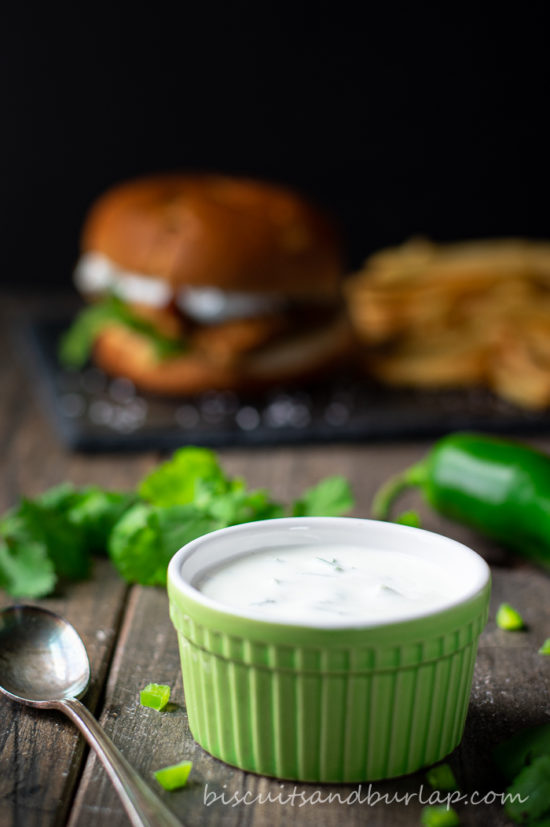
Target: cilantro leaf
{"x":76,"y":344}
{"x":65,"y":543}
{"x":61,"y":496}
{"x":25,"y":569}
{"x":329,"y":498}
{"x":144,"y":540}
{"x":512,"y":755}
{"x":55,"y":534}
{"x":240,"y":506}
{"x":410,"y":518}
{"x":533,"y":785}
{"x":91,"y":509}
{"x":176,"y":481}
{"x":95,"y":512}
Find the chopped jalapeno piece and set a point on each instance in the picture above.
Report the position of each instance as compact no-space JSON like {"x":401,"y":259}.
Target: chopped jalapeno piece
{"x":155,"y":696}
{"x":545,"y":648}
{"x":440,"y":816}
{"x":174,"y":776}
{"x":441,"y":777}
{"x":508,"y":618}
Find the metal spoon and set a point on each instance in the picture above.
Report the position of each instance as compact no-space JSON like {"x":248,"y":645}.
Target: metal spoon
{"x":44,"y":663}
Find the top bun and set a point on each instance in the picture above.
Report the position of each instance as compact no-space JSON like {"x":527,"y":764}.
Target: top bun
{"x":217,"y":231}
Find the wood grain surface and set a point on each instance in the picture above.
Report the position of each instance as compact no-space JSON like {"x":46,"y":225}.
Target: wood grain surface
{"x":46,"y":775}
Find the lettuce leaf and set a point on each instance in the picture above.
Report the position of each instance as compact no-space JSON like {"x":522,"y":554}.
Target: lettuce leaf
{"x":75,"y":346}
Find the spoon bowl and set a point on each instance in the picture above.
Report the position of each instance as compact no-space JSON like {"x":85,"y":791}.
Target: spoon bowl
{"x":44,"y":663}
{"x":42,"y":657}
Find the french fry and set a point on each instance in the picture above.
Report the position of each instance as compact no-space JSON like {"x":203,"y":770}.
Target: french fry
{"x":438,"y":360}
{"x":470,"y":313}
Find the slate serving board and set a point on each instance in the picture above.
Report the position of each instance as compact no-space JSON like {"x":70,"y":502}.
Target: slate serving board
{"x":93,"y":412}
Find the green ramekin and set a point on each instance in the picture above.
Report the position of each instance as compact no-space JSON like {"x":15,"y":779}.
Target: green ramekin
{"x":327,"y":703}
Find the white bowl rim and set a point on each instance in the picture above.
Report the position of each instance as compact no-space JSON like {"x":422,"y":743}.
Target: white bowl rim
{"x":481,"y":575}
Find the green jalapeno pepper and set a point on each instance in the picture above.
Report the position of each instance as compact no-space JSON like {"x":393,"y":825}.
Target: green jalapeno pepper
{"x":495,"y":485}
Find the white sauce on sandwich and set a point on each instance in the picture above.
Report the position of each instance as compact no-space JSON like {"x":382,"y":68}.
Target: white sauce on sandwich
{"x":329,"y":582}
{"x":96,"y":273}
{"x":210,"y":304}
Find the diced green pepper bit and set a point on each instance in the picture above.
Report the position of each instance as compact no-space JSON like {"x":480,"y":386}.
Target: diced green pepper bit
{"x":509,"y":618}
{"x":545,"y":648}
{"x":155,"y":695}
{"x":441,"y":777}
{"x":174,"y":776}
{"x":440,"y":816}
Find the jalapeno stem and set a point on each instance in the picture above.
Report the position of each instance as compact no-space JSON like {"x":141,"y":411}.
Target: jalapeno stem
{"x":388,"y":493}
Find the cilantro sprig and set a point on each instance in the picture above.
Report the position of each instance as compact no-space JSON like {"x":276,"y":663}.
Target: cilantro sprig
{"x":51,"y":539}
{"x":524,"y":761}
{"x":53,"y":536}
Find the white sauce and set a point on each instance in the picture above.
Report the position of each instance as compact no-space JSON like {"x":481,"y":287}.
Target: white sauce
{"x":305,"y":583}
{"x":96,"y":273}
{"x":209,"y":304}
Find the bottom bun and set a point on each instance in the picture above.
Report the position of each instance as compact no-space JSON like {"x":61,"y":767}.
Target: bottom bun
{"x":122,"y":352}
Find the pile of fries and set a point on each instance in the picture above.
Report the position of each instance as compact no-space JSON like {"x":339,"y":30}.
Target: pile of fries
{"x":448,"y":315}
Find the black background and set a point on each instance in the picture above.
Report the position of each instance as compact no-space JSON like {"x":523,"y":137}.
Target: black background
{"x":403,"y":119}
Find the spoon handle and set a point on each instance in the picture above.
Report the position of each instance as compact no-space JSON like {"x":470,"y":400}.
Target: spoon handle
{"x":143,"y":807}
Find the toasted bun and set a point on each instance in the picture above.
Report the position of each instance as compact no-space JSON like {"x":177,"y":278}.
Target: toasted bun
{"x":216,"y":231}
{"x":120,"y":351}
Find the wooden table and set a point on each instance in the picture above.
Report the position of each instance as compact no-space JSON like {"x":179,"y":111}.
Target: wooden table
{"x":47,"y":777}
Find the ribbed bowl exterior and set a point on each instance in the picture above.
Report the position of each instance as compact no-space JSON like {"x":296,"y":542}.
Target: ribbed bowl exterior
{"x":324,"y":708}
